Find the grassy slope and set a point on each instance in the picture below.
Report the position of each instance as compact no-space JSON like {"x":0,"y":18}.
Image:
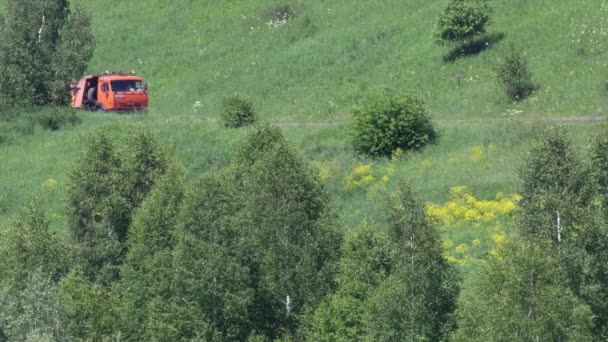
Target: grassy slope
{"x":333,"y":52}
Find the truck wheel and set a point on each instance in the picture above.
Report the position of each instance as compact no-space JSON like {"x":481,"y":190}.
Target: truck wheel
{"x":99,"y":108}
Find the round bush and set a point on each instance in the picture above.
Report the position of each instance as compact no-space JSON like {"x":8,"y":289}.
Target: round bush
{"x":462,"y":20}
{"x":386,"y":121}
{"x":238,"y":111}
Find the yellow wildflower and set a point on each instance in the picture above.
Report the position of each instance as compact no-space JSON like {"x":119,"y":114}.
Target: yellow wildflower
{"x":499,"y":239}
{"x":360,"y":176}
{"x":463,"y":248}
{"x":447,"y":244}
{"x":478,"y":154}
{"x":49,"y":184}
{"x":397,"y":154}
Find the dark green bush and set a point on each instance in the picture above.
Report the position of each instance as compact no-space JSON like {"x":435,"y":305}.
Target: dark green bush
{"x":55,"y":119}
{"x":387,"y":121}
{"x":281,"y":12}
{"x":515,"y":77}
{"x":238,"y":111}
{"x":462,"y":20}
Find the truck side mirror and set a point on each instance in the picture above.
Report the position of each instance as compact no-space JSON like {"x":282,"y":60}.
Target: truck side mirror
{"x":144,"y":86}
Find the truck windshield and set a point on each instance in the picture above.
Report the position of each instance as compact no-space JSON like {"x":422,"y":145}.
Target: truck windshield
{"x":126,"y":85}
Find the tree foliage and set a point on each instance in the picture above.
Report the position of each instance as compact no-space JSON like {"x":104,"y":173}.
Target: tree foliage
{"x":554,"y":188}
{"x":515,"y":76}
{"x":392,"y":287}
{"x":106,"y":187}
{"x":146,"y":275}
{"x":211,"y":275}
{"x":387,"y":121}
{"x":367,"y":260}
{"x":522,"y":295}
{"x":462,"y":20}
{"x":417,"y":301}
{"x":33,"y":261}
{"x":74,"y":51}
{"x":42,"y":46}
{"x":291,"y":228}
{"x":90,"y":310}
{"x":562,"y":202}
{"x":237,"y":111}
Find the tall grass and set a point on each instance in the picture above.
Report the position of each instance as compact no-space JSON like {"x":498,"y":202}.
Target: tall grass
{"x":322,"y":60}
{"x":29,"y":162}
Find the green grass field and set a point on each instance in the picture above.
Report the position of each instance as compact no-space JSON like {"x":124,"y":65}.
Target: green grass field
{"x":30,"y":162}
{"x":318,"y":64}
{"x":315,"y":67}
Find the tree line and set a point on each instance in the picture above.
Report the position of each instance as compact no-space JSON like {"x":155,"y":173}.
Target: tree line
{"x":257,"y":253}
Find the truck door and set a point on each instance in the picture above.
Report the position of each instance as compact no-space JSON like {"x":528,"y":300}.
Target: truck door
{"x":105,"y":96}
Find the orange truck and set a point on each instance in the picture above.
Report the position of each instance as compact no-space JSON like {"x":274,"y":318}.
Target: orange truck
{"x":110,"y":92}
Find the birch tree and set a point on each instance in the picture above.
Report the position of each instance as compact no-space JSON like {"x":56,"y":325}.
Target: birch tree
{"x":42,"y":46}
{"x":554,"y":189}
{"x":292,"y":230}
{"x":417,"y":301}
{"x":521,"y":295}
{"x":146,"y":275}
{"x":214,"y":290}
{"x":106,"y":187}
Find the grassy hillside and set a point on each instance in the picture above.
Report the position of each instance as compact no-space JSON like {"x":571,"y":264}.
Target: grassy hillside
{"x":314,"y":67}
{"x":319,"y":62}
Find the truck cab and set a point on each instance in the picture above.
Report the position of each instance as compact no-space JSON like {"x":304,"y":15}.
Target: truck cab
{"x":110,"y":92}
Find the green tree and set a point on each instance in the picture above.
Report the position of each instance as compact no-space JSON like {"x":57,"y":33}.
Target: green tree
{"x":27,"y":245}
{"x":146,"y":275}
{"x":33,"y":260}
{"x":367,"y":257}
{"x":106,"y":187}
{"x":91,"y":186}
{"x":595,"y":240}
{"x":291,"y":227}
{"x":554,"y":189}
{"x":563,"y":203}
{"x":462,"y":20}
{"x":417,"y":301}
{"x":36,"y":36}
{"x":211,"y":279}
{"x":75,"y":49}
{"x":515,"y":76}
{"x":387,"y":121}
{"x":521,"y":295}
{"x":599,"y":162}
{"x":90,"y":313}
{"x":33,"y":311}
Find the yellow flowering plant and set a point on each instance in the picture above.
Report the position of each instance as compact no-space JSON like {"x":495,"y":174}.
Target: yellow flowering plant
{"x":464,"y":215}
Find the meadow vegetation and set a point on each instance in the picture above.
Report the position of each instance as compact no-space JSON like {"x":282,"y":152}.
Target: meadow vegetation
{"x":173,"y":224}
{"x":323,"y":58}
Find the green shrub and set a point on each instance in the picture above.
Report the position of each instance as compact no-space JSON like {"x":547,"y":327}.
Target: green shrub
{"x":387,"y":121}
{"x":515,"y":76}
{"x":44,"y":44}
{"x":462,"y":20}
{"x":276,"y":13}
{"x":238,"y":111}
{"x":55,"y":119}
